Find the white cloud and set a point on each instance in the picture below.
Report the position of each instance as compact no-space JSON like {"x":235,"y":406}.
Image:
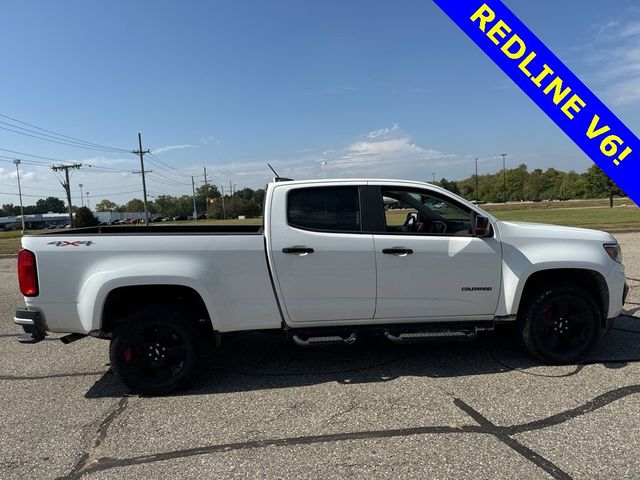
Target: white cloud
{"x":383,"y":131}
{"x":335,"y":90}
{"x":614,"y":57}
{"x":383,"y":153}
{"x":206,"y":140}
{"x":412,"y":91}
{"x":168,"y":148}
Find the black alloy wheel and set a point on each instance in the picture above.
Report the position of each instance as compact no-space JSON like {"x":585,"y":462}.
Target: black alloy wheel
{"x":560,"y":325}
{"x":153,"y":351}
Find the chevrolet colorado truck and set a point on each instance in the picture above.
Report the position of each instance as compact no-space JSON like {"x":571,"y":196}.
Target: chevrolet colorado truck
{"x":333,"y":260}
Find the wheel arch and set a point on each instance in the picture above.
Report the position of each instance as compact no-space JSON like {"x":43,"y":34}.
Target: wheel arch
{"x":122,"y":300}
{"x":591,"y":281}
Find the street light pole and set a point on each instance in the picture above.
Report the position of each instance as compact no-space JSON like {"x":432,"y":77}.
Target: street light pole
{"x":477,"y":194}
{"x":324,"y":162}
{"x":81,"y":196}
{"x":504,"y":176}
{"x":433,"y":178}
{"x":17,"y":163}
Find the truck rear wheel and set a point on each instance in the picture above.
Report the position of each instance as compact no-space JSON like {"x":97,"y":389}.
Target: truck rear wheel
{"x":560,"y":324}
{"x":153,"y":350}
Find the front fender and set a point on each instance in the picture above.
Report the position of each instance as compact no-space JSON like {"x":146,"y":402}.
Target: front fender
{"x":519,"y":265}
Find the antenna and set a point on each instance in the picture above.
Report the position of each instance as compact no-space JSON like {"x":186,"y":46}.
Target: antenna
{"x":277,"y":177}
{"x":274,"y":172}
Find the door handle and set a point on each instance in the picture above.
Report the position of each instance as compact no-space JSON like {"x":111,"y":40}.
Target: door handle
{"x":398,"y":251}
{"x":298,"y":250}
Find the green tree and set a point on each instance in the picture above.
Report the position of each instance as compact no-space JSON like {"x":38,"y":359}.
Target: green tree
{"x":85,"y":218}
{"x":134,"y":205}
{"x":599,"y":185}
{"x":258,"y":196}
{"x":10,"y":210}
{"x":202,"y":193}
{"x":50,"y":205}
{"x":451,"y":186}
{"x":105,"y":205}
{"x":166,"y":205}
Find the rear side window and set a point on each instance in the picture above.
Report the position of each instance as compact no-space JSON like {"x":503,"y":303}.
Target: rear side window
{"x":325,"y":208}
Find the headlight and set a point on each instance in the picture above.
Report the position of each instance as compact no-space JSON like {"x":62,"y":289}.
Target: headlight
{"x":614,"y":251}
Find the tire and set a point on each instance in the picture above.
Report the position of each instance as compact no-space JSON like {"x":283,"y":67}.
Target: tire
{"x":154,"y":350}
{"x":560,"y":324}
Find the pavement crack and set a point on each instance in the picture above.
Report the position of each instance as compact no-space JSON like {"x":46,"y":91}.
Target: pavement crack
{"x":333,"y":418}
{"x":88,"y":464}
{"x":500,"y":434}
{"x":588,"y":407}
{"x":88,"y":458}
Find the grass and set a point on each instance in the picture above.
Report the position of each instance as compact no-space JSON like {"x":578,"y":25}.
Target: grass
{"x":9,"y":245}
{"x":575,"y":213}
{"x":599,"y":218}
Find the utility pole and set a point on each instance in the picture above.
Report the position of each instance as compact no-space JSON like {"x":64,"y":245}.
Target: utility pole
{"x":142,"y":152}
{"x":193,"y":189}
{"x":17,"y":162}
{"x":433,"y":177}
{"x":81,"y":197}
{"x":66,"y":185}
{"x":206,"y":192}
{"x":88,"y":204}
{"x":504,"y":176}
{"x":224,"y":212}
{"x":477,"y":194}
{"x":235,"y":199}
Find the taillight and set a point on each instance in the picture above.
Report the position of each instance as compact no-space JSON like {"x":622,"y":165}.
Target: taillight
{"x":27,"y":273}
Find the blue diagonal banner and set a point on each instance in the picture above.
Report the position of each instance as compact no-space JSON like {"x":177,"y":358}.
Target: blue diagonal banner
{"x":552,"y":86}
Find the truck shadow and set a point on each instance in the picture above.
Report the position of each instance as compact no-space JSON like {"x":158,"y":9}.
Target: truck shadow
{"x":259,"y":361}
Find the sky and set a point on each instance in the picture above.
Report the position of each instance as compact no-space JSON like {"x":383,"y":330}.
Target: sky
{"x":363,"y":88}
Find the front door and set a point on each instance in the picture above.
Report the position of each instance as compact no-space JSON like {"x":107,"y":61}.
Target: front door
{"x":429,"y":263}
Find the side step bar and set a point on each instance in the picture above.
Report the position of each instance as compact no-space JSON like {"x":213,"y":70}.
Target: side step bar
{"x":415,"y":337}
{"x":324,"y":340}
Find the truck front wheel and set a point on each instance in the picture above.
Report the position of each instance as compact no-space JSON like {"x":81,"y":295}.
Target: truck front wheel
{"x":153,"y":350}
{"x":559,"y":324}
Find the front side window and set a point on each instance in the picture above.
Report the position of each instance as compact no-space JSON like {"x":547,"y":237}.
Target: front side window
{"x":421,"y":212}
{"x":334,"y":209}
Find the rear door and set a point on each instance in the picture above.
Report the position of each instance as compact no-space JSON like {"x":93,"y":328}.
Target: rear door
{"x":324,"y":264}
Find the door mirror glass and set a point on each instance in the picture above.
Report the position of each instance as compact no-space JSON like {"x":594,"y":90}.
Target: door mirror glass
{"x":482,"y":226}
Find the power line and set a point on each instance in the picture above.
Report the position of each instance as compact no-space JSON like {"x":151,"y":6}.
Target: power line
{"x":177,"y":170}
{"x":58,"y":134}
{"x":166,"y":180}
{"x":168,"y":171}
{"x":51,"y":138}
{"x":59,"y":142}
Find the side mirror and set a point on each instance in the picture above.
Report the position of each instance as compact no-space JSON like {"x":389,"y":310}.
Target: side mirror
{"x":482,"y":226}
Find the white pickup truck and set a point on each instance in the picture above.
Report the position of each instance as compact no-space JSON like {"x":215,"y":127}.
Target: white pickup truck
{"x":334,"y":259}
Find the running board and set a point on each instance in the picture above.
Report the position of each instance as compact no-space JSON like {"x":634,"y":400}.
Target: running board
{"x":324,"y":340}
{"x":416,"y":337}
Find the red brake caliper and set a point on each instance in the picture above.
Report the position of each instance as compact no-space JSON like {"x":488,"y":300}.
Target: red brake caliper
{"x":128,"y":354}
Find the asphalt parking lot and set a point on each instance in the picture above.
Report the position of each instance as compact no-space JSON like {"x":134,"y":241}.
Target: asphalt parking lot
{"x":265,"y":408}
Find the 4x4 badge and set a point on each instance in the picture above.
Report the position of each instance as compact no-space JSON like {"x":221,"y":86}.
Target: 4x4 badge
{"x":77,"y":243}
